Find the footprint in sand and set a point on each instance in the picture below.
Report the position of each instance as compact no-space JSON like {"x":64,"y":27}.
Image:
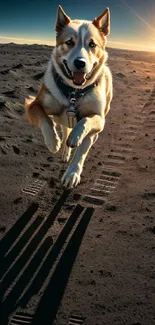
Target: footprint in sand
{"x":5,"y":148}
{"x":4,"y":72}
{"x":18,"y":66}
{"x":9,"y":93}
{"x":2,"y":102}
{"x":38,"y":76}
{"x":120,"y":75}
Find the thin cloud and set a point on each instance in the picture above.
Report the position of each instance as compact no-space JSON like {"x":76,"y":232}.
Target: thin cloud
{"x":7,"y":39}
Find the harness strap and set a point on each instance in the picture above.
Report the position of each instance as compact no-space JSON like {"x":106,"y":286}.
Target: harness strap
{"x":68,"y":90}
{"x":73,"y":94}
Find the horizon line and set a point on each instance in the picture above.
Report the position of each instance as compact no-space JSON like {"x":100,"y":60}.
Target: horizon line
{"x":113,"y":44}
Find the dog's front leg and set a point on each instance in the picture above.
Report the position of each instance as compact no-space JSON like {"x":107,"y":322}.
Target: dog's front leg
{"x":66,"y":151}
{"x":87,"y":125}
{"x":72,"y":176}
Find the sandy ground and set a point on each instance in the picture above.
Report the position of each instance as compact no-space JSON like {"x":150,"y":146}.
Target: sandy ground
{"x":85,"y":256}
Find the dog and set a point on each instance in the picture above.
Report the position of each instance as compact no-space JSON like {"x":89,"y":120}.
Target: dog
{"x":76,"y":92}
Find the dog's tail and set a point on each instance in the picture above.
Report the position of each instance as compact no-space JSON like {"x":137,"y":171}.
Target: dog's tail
{"x":28,"y":101}
{"x":27,"y":105}
{"x":34,"y":110}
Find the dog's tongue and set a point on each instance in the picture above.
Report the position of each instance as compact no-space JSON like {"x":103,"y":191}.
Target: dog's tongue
{"x":78,"y":77}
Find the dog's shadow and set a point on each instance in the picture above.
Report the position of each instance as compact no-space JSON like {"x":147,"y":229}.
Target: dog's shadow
{"x":34,"y":275}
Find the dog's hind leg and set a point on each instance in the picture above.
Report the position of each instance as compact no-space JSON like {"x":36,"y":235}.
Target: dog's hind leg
{"x":72,"y":176}
{"x":66,"y":151}
{"x":50,"y":135}
{"x":37,"y":116}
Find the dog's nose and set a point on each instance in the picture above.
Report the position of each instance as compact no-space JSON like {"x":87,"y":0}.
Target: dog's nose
{"x":79,"y":63}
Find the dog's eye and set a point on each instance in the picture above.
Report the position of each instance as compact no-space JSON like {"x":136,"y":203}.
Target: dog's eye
{"x":92,"y":44}
{"x":70,"y":42}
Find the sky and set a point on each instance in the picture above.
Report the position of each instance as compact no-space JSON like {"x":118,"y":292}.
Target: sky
{"x":33,"y":21}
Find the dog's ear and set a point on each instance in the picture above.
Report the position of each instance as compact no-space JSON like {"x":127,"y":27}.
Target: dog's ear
{"x":103,"y":22}
{"x":62,"y":19}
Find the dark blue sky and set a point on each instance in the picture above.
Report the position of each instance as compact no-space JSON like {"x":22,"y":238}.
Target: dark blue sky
{"x":132,"y":21}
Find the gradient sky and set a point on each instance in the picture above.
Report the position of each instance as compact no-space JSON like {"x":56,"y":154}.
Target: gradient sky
{"x":33,"y":21}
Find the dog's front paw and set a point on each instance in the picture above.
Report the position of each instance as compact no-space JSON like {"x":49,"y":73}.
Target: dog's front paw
{"x":71,"y":177}
{"x":66,"y":153}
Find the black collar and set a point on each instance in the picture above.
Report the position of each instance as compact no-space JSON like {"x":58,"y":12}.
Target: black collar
{"x":68,"y":91}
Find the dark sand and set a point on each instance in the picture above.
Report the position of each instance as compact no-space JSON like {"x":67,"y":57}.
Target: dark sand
{"x":101,"y":268}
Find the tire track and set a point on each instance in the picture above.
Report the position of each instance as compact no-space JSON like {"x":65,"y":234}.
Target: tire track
{"x":20,"y":318}
{"x":34,"y":188}
{"x":98,"y":194}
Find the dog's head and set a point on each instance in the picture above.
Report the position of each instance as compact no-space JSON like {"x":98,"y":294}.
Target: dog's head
{"x":80,"y":48}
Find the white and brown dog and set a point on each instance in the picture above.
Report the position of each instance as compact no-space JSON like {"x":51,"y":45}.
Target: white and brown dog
{"x":77,"y":88}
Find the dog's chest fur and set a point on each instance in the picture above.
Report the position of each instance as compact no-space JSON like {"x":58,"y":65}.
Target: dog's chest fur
{"x":56,"y":104}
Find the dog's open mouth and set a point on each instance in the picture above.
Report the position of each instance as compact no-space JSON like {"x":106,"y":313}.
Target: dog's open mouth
{"x":79,"y":78}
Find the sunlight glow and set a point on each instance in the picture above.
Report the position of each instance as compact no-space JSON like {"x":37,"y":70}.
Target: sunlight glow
{"x":131,"y":46}
{"x":138,"y":16}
